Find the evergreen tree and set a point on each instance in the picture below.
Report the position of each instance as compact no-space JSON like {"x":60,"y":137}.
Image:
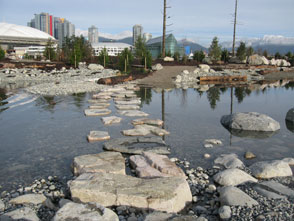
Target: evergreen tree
{"x":50,"y":50}
{"x":142,"y":53}
{"x":215,"y":50}
{"x":176,"y":56}
{"x":241,"y":51}
{"x":125,"y":60}
{"x":265,"y":54}
{"x":198,"y":56}
{"x":225,"y":55}
{"x":249,"y":51}
{"x":103,"y":58}
{"x":168,"y":53}
{"x":278,"y":55}
{"x":2,"y":53}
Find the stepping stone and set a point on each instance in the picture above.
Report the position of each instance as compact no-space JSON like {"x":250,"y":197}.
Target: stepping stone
{"x":98,"y":101}
{"x":232,"y":196}
{"x":277,"y":187}
{"x":99,"y":96}
{"x":133,"y":113}
{"x":155,"y":165}
{"x":105,"y":162}
{"x":111,"y":120}
{"x":99,"y":106}
{"x":98,"y":136}
{"x":155,"y":122}
{"x":143,"y":130}
{"x":24,"y":213}
{"x":28,"y":199}
{"x":83,"y":212}
{"x":270,"y":169}
{"x":127,"y":107}
{"x":233,"y":177}
{"x":97,"y":112}
{"x":169,"y":194}
{"x":229,"y":161}
{"x":126,"y":99}
{"x":104,"y":93}
{"x":139,"y":145}
{"x":130,"y":102}
{"x":114,"y":89}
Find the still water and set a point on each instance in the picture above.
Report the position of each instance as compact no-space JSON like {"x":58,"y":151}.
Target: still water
{"x":39,"y":136}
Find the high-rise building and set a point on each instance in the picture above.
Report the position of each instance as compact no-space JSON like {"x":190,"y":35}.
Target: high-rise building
{"x":137,"y":32}
{"x":54,"y":26}
{"x":147,"y":36}
{"x":93,"y":35}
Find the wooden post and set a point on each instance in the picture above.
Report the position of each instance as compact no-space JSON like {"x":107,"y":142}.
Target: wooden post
{"x":125,"y":65}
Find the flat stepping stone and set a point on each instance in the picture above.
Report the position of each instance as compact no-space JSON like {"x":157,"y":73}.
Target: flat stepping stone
{"x":99,"y":106}
{"x":111,"y":120}
{"x":114,"y":89}
{"x":169,"y":194}
{"x":137,"y":145}
{"x":127,"y":107}
{"x":155,"y":165}
{"x":105,"y":162}
{"x":98,"y":101}
{"x":24,"y":213}
{"x":97,"y":112}
{"x":233,"y":177}
{"x":130,"y":102}
{"x":133,"y":113}
{"x":144,"y":130}
{"x":153,"y":122}
{"x":98,"y":136}
{"x":104,"y":97}
{"x":28,"y":199}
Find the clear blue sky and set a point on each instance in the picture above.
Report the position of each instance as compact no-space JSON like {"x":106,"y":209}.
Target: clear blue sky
{"x":194,"y":19}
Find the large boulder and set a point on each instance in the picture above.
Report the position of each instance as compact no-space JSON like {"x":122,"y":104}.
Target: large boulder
{"x":290,"y":115}
{"x":24,"y":213}
{"x":233,"y":177}
{"x":84,"y":212}
{"x":95,"y":67}
{"x":258,"y":60}
{"x":168,"y":59}
{"x":105,"y":162}
{"x":251,"y":121}
{"x":270,"y":169}
{"x":229,"y":161}
{"x":169,"y":194}
{"x":157,"y":67}
{"x":232,"y":196}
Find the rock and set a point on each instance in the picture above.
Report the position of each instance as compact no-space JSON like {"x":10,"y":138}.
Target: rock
{"x":2,"y":206}
{"x":127,"y":107}
{"x":289,"y":161}
{"x":155,"y":165}
{"x":257,"y":60}
{"x":169,"y":194}
{"x":208,"y":145}
{"x":111,"y":120}
{"x":229,"y":161}
{"x":48,"y":203}
{"x":84,"y":212}
{"x":232,"y":177}
{"x":97,"y":112}
{"x":98,"y":136}
{"x":249,"y":155}
{"x":133,"y":113}
{"x":232,"y":196}
{"x":267,"y":194}
{"x":105,"y":162}
{"x":204,"y":68}
{"x":290,"y":115}
{"x":63,"y":201}
{"x":128,"y":102}
{"x":102,"y":97}
{"x":95,"y":67}
{"x":137,"y":145}
{"x":225,"y":212}
{"x":251,"y":121}
{"x":143,"y":130}
{"x":168,"y":59}
{"x":29,"y":199}
{"x":270,"y":169}
{"x":24,"y":213}
{"x":157,"y":67}
{"x":154,"y":122}
{"x":99,"y":102}
{"x":206,"y":155}
{"x":277,"y":187}
{"x":157,"y":216}
{"x":213,"y":141}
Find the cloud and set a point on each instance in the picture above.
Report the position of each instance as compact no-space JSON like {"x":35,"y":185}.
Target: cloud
{"x":121,"y":35}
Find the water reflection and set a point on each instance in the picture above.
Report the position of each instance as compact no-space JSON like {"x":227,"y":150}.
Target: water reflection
{"x":2,"y":96}
{"x":145,"y":94}
{"x":290,"y":125}
{"x":47,"y":103}
{"x":251,"y":134}
{"x":79,"y":100}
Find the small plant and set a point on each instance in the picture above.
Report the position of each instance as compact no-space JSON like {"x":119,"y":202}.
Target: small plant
{"x":177,"y":56}
{"x":225,"y":55}
{"x":2,"y":53}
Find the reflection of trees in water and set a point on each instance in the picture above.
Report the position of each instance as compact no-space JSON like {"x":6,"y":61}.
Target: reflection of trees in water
{"x":47,"y":103}
{"x":184,"y":97}
{"x":2,"y":96}
{"x":241,"y":93}
{"x":213,"y":95}
{"x":145,"y":94}
{"x":290,"y":85}
{"x":79,"y":99}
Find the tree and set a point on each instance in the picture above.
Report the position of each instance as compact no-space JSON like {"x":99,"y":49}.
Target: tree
{"x":241,"y":51}
{"x":249,"y":51}
{"x":125,"y":60}
{"x":278,"y":55}
{"x":265,"y":54}
{"x":168,"y":53}
{"x":198,"y":56}
{"x":50,"y":50}
{"x":289,"y":55}
{"x":103,"y":58}
{"x":225,"y":55}
{"x":2,"y":53}
{"x":215,"y":50}
{"x":142,"y":53}
{"x":176,"y":56}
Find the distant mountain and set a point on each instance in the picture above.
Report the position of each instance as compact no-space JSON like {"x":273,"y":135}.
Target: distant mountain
{"x":128,"y":40}
{"x":194,"y":46}
{"x":270,"y":43}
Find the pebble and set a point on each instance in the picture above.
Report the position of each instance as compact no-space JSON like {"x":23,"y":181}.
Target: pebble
{"x":206,"y":156}
{"x":249,"y":155}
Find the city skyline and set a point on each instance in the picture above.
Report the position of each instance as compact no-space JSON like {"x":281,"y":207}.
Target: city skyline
{"x":196,"y":20}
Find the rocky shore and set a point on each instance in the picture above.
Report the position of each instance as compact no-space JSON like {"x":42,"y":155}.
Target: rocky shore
{"x":134,"y":179}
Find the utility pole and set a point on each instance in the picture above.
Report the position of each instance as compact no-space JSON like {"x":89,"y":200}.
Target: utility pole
{"x":164,"y":29}
{"x":235,"y":24}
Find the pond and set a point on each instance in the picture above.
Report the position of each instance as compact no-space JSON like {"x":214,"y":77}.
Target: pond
{"x":40,"y":136}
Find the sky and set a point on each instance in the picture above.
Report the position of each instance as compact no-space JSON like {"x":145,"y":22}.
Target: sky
{"x":198,"y":20}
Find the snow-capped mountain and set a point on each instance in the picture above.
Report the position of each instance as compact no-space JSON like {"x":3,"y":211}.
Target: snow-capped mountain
{"x":122,"y":35}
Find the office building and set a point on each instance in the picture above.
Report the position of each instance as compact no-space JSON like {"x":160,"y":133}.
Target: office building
{"x":112,"y":48}
{"x":137,"y":32}
{"x":93,"y":35}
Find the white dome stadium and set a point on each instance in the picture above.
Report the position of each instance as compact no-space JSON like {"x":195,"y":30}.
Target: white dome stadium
{"x":19,"y":31}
